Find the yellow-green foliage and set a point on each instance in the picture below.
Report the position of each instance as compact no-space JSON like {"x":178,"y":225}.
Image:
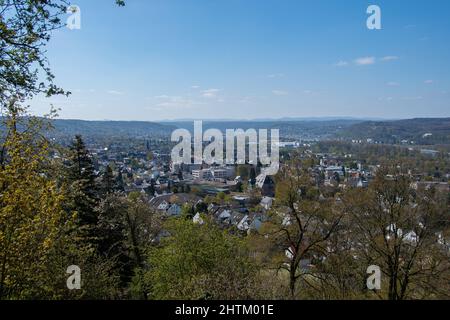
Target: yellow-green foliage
{"x":31,"y":214}
{"x":200,"y":262}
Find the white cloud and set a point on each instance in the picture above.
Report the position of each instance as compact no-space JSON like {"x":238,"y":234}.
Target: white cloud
{"x":389,"y":58}
{"x":163,"y":96}
{"x":115,"y":92}
{"x":280,"y":92}
{"x":248,"y":99}
{"x":341,"y":64}
{"x":210,"y":93}
{"x":428,"y":81}
{"x":154,"y":108}
{"x":174,"y":102}
{"x":195,"y":87}
{"x":413,"y":98}
{"x":275,"y":75}
{"x":365,"y":61}
{"x":393,"y":84}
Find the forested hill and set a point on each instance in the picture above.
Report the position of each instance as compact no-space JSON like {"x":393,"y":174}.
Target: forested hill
{"x":421,"y":131}
{"x":301,"y":129}
{"x":111,"y":128}
{"x":289,"y":129}
{"x":427,"y":131}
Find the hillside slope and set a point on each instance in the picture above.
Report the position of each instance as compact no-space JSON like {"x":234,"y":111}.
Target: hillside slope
{"x":421,"y":131}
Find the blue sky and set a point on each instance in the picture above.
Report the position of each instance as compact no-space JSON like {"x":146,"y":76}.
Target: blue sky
{"x":247,"y":59}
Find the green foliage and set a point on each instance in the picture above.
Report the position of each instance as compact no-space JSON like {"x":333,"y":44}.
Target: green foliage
{"x":25,"y":29}
{"x":220,"y":197}
{"x":200,"y":262}
{"x":201,"y":207}
{"x":188,"y":211}
{"x":108,"y":184}
{"x":39,"y":223}
{"x":32,"y":218}
{"x":243,"y":171}
{"x":39,"y":239}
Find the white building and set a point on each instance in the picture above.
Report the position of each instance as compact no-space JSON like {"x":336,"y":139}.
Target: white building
{"x":164,"y":206}
{"x":266,"y":202}
{"x":198,"y":219}
{"x":202,"y":174}
{"x":219,"y":173}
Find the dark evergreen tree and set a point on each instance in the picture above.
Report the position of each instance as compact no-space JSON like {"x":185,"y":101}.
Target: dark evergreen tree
{"x":336,"y":178}
{"x":258,"y":167}
{"x":201,"y":207}
{"x":81,"y":179}
{"x":120,"y":185}
{"x":108,"y":185}
{"x":252,"y":176}
{"x":111,"y":234}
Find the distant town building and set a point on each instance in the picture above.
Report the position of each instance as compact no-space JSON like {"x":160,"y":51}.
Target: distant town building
{"x":203,"y":174}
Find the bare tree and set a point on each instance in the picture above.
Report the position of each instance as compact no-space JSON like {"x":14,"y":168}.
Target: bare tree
{"x":301,"y":223}
{"x":400,"y":230}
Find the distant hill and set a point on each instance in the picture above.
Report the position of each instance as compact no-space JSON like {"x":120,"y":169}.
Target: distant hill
{"x":295,"y":129}
{"x":301,"y":129}
{"x":425,"y":131}
{"x":422,"y":131}
{"x":94,"y":129}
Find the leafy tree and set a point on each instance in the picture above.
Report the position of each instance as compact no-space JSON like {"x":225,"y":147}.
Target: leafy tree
{"x":32,"y":219}
{"x":200,"y":262}
{"x":25,"y":30}
{"x":243,"y":171}
{"x":188,"y":211}
{"x":111,"y":234}
{"x":99,"y":277}
{"x":142,"y":229}
{"x":220,"y":197}
{"x":209,"y":199}
{"x":37,"y":239}
{"x":126,"y":228}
